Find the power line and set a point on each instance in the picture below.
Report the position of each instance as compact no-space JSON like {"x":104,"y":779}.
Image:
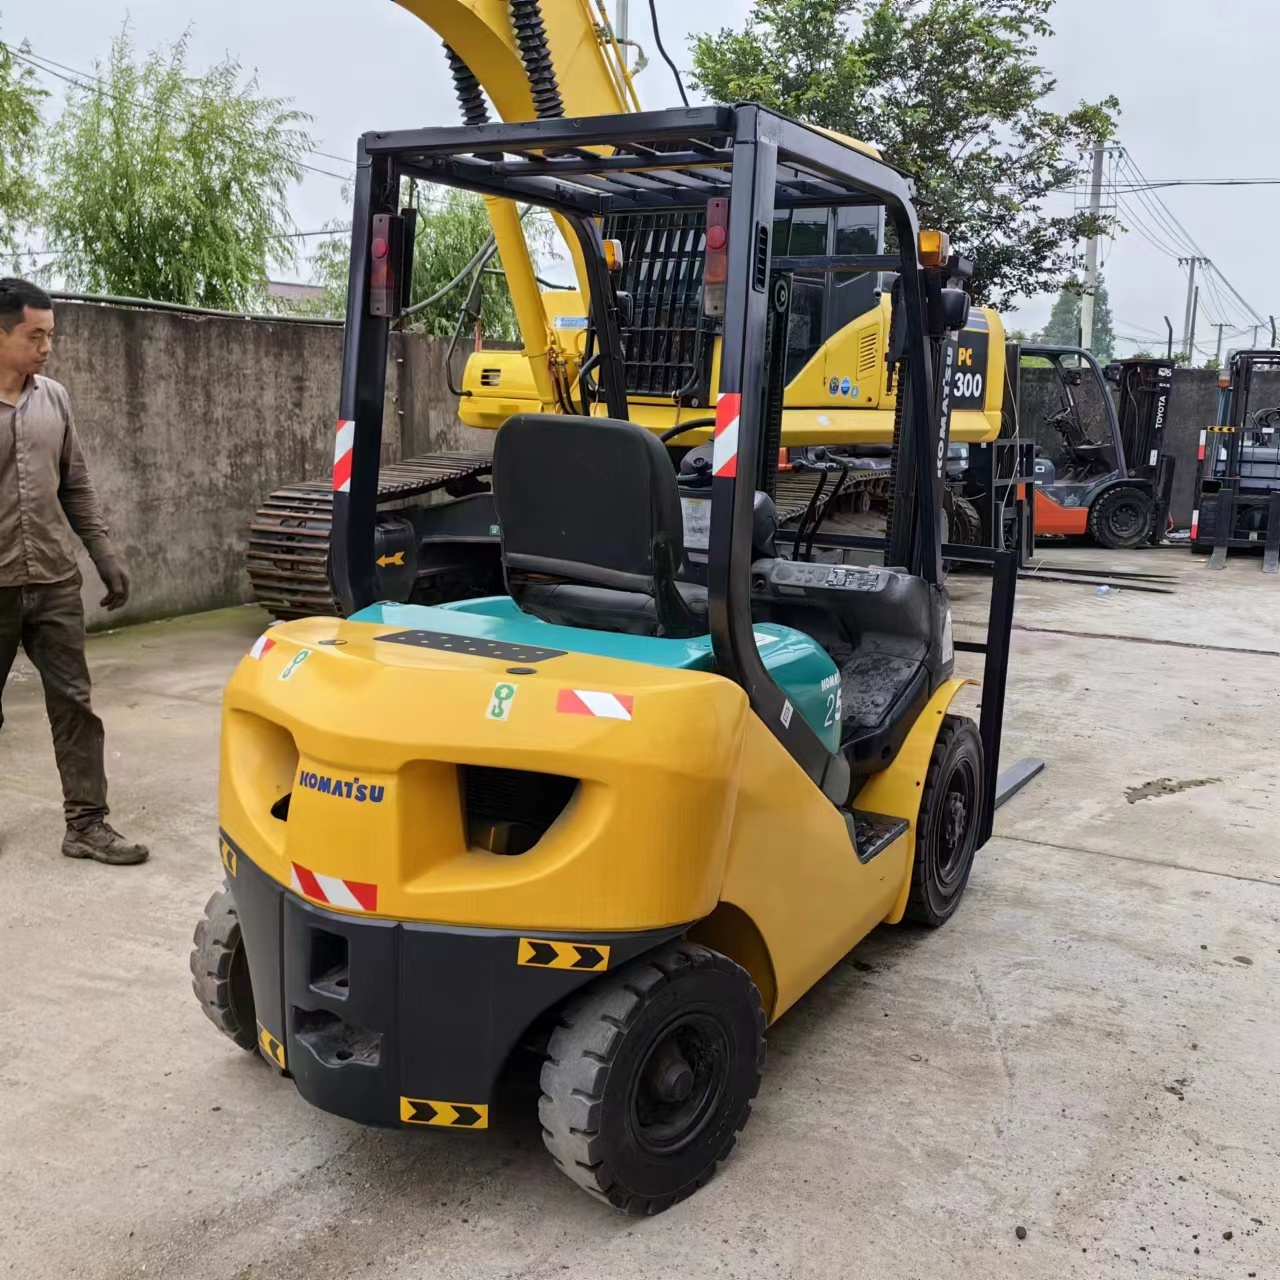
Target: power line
{"x":1163,"y":184}
{"x":1162,"y":217}
{"x":86,"y":80}
{"x":1181,"y":235}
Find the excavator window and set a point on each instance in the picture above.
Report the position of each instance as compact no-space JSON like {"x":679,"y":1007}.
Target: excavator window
{"x":822,"y":303}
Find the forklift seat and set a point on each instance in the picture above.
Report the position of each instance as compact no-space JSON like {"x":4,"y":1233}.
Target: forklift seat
{"x":592,"y":533}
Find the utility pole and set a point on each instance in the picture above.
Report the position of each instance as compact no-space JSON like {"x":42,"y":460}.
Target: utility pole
{"x":1091,"y":252}
{"x":1191,"y":341}
{"x":1188,"y":323}
{"x":1217,"y":355}
{"x":1254,"y":345}
{"x":1273,"y":329}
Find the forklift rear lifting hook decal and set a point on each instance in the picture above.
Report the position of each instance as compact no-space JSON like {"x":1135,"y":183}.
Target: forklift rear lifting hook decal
{"x":452,"y":1115}
{"x":295,"y":662}
{"x":271,"y":1046}
{"x":504,"y":695}
{"x":228,"y":857}
{"x":542,"y":953}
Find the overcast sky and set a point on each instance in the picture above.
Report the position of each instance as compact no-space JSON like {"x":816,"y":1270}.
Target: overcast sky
{"x":1197,"y":86}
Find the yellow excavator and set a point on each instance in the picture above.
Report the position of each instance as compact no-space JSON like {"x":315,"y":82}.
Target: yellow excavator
{"x":552,"y":59}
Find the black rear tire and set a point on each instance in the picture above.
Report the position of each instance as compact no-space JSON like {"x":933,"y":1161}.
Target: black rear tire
{"x":649,"y":1077}
{"x":1120,"y":519}
{"x":947,"y":827}
{"x":220,"y":972}
{"x":966,"y":523}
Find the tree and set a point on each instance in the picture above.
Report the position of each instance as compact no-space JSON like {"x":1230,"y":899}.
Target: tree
{"x":949,"y":90}
{"x":20,"y":128}
{"x":171,"y":186}
{"x":1063,"y":328}
{"x":453,"y":227}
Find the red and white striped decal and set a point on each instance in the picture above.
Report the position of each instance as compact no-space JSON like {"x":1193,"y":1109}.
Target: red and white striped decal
{"x":351,"y":895}
{"x":342,"y":447}
{"x":591,"y":702}
{"x":724,"y":451}
{"x":1204,"y":436}
{"x":1195,"y":522}
{"x":262,"y":646}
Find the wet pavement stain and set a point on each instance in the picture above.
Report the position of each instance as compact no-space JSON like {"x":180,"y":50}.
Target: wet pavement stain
{"x":1165,"y":787}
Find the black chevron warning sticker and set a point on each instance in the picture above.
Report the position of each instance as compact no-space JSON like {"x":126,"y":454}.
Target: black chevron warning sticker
{"x":451,"y":1115}
{"x":271,"y":1046}
{"x":543,"y":953}
{"x":228,"y":857}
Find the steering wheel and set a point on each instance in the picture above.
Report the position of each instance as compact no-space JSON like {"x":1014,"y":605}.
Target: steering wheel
{"x":681,"y":427}
{"x":1060,"y":421}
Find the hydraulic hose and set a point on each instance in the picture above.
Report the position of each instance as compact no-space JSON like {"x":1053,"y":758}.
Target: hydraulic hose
{"x":531,"y":36}
{"x":467,"y":88}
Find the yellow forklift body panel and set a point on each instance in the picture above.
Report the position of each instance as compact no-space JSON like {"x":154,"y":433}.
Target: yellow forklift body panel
{"x":689,"y":802}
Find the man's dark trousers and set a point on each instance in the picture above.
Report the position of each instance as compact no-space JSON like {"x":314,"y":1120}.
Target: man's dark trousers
{"x":47,"y":620}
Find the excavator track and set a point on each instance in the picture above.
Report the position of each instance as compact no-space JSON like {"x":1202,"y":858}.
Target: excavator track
{"x":288,"y":558}
{"x":795,"y":488}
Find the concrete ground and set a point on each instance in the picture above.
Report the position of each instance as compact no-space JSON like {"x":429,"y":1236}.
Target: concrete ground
{"x":1089,"y":1050}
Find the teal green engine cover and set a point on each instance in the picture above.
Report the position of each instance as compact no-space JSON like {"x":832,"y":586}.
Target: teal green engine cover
{"x":801,"y":668}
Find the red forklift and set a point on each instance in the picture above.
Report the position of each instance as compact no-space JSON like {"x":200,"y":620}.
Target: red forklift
{"x":1100,"y":470}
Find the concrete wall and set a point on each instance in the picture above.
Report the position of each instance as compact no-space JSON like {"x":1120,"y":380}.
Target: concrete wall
{"x":188,"y":421}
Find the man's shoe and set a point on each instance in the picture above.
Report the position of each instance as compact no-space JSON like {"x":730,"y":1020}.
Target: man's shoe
{"x":102,"y":844}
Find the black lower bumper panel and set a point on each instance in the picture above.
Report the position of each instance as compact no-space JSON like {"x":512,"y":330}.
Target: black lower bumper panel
{"x":388,"y":1022}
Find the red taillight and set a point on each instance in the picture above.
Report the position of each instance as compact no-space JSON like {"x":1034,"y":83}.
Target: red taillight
{"x":385,"y":253}
{"x":716,"y":268}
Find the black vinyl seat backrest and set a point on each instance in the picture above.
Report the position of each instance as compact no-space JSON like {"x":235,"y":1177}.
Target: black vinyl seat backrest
{"x":592,"y":533}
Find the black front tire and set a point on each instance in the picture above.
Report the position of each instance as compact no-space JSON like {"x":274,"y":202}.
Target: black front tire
{"x":1120,"y":519}
{"x":947,"y":827}
{"x":650,"y":1075}
{"x":220,"y":972}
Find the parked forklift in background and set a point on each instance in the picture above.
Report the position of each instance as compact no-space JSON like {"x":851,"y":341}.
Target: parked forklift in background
{"x":628,"y":811}
{"x":1105,"y":476}
{"x":1237,"y":501}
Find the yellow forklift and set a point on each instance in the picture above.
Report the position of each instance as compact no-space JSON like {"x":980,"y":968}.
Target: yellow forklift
{"x":627,"y":811}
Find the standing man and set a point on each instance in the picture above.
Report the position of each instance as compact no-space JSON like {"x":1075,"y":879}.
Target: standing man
{"x":45,"y":494}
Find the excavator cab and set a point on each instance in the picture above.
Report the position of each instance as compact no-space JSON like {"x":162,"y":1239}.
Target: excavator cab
{"x":622,"y":814}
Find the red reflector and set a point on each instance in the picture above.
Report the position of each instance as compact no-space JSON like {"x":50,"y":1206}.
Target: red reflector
{"x":717,"y":237}
{"x":380,"y":248}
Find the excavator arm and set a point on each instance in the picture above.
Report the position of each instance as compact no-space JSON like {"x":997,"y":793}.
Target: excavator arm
{"x":532,"y":60}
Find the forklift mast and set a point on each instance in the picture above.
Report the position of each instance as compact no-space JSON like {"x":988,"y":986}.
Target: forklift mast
{"x":670,"y":160}
{"x":1143,"y":388}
